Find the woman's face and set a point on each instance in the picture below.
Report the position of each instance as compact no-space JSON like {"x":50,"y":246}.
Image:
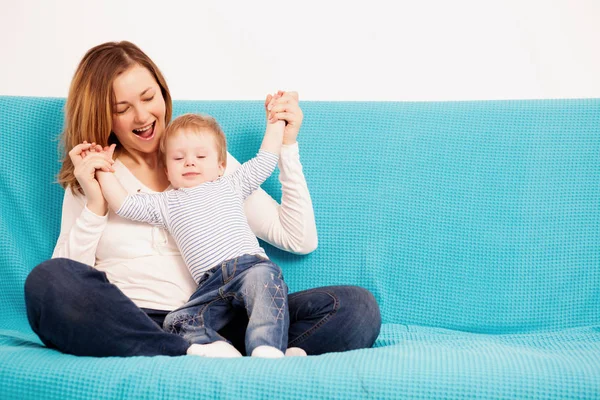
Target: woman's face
{"x":139,"y":110}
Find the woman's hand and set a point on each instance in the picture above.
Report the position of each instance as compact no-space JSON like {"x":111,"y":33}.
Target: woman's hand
{"x":87,"y":158}
{"x":284,"y":106}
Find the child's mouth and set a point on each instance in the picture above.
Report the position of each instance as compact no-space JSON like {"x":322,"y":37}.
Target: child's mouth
{"x":146,"y":132}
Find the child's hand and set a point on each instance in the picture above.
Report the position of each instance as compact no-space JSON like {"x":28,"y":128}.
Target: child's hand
{"x":269,"y":103}
{"x":107,"y":151}
{"x":284,"y":107}
{"x":94,"y":150}
{"x":86,"y":163}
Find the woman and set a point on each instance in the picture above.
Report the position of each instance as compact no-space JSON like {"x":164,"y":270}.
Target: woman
{"x":111,"y":282}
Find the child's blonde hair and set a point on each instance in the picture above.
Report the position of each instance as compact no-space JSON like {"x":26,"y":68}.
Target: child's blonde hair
{"x":198,"y":123}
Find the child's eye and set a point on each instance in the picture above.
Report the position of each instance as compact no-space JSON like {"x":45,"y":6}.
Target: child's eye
{"x":200,"y":156}
{"x":178,"y":158}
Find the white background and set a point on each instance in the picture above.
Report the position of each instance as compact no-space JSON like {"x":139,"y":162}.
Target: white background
{"x":326,"y":50}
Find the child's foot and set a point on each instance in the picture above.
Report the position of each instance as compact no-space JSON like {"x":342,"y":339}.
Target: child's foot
{"x":267,"y":352}
{"x":295,"y":352}
{"x":218,"y":349}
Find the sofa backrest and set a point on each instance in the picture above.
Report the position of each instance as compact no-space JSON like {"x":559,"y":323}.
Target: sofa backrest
{"x":480,"y":216}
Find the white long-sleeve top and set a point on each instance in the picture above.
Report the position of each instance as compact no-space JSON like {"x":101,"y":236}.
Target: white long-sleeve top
{"x":207,"y":221}
{"x":143,"y":260}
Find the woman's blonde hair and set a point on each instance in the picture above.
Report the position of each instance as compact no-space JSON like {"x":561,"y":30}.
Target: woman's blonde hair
{"x":198,"y":123}
{"x":89,"y":109}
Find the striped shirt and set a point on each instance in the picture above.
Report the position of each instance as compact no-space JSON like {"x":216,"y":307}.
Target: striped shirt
{"x":207,"y":221}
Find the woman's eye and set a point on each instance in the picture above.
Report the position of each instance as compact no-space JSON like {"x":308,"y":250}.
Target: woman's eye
{"x":149,"y":98}
{"x":122,"y":111}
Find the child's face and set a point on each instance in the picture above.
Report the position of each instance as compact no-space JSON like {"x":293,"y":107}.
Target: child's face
{"x":192,"y":158}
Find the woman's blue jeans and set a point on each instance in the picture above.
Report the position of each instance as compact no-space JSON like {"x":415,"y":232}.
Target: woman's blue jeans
{"x":73,"y":308}
{"x":250,"y":284}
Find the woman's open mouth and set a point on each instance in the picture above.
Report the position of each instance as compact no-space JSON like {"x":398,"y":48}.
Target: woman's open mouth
{"x":145,"y":132}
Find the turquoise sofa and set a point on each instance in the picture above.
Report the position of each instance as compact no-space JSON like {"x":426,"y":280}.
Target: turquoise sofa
{"x":476,"y":225}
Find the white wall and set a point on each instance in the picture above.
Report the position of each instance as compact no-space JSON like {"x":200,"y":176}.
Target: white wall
{"x":327,"y":50}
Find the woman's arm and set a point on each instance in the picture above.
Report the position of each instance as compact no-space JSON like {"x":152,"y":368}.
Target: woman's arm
{"x":81,"y":227}
{"x":80,"y":230}
{"x":291,"y":225}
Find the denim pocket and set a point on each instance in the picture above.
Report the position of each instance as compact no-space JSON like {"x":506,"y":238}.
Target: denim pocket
{"x":228,"y":269}
{"x":231,"y":268}
{"x":204,"y":279}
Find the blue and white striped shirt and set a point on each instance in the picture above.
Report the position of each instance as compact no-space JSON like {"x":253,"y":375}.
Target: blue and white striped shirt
{"x":207,"y":221}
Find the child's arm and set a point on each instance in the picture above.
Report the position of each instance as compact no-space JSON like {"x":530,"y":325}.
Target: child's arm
{"x":140,"y":207}
{"x":274,"y":133}
{"x":113,"y":191}
{"x":273,"y":137}
{"x":250,"y":175}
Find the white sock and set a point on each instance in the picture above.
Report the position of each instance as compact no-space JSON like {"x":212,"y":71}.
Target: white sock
{"x":267,"y":352}
{"x":295,"y":352}
{"x":218,"y":349}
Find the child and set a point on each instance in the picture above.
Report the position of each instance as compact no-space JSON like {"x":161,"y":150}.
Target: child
{"x":204,"y":213}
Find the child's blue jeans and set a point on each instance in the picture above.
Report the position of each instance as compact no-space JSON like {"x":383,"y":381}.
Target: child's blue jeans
{"x":251,"y":283}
